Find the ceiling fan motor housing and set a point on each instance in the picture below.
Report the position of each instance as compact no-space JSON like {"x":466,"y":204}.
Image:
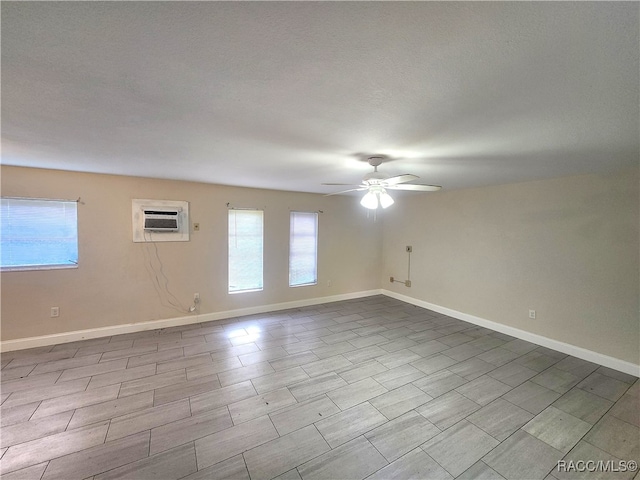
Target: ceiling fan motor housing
{"x":375,"y":177}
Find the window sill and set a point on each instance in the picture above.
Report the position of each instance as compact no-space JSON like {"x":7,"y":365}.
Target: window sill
{"x":303,"y":285}
{"x":31,"y":268}
{"x":245,"y":291}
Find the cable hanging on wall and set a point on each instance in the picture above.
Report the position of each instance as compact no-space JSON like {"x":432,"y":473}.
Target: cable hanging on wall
{"x":406,"y":282}
{"x":159,"y":279}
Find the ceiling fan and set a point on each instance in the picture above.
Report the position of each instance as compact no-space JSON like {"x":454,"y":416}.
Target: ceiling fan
{"x":377,"y":184}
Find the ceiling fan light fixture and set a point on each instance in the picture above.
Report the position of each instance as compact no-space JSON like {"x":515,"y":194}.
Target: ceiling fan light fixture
{"x":370,"y":200}
{"x":385,"y":199}
{"x":376,"y":196}
{"x":376,"y":184}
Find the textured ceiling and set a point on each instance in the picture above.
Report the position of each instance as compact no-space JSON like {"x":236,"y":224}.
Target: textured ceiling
{"x":289,"y":95}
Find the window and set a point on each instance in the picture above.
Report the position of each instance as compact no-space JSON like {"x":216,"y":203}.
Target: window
{"x":303,"y":249}
{"x":245,"y":250}
{"x":38,"y":234}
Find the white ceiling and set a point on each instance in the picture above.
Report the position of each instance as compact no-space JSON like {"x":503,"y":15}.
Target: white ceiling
{"x":289,"y":95}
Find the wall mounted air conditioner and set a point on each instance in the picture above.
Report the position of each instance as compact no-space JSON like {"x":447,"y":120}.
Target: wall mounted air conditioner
{"x":160,"y":220}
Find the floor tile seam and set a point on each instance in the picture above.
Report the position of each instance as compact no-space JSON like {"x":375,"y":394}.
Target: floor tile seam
{"x":25,"y":376}
{"x":389,"y":462}
{"x":478,"y":426}
{"x":511,"y":435}
{"x":45,"y":468}
{"x":66,"y":427}
{"x":125,"y":464}
{"x":544,"y":370}
{"x":553,"y":478}
{"x":594,"y":446}
{"x":14,"y":354}
{"x":553,"y":469}
{"x":600,"y":396}
{"x":472,"y":400}
{"x":355,"y":405}
{"x":44,"y":436}
{"x":104,"y":442}
{"x":32,"y":413}
{"x":434,"y":371}
{"x":34,"y":387}
{"x":64,"y":369}
{"x":226,"y":358}
{"x":421,"y":447}
{"x":564,"y":455}
{"x":500,"y":441}
{"x":613,"y":404}
{"x":578,"y":441}
{"x":520,"y":384}
{"x":106,"y":435}
{"x":266,"y":414}
{"x":243,"y":451}
{"x":128,"y":357}
{"x":433,"y":397}
{"x":244,"y":460}
{"x":607,"y":412}
{"x":445,"y":354}
{"x":246,"y":466}
{"x":188,"y":402}
{"x":617,"y":418}
{"x":149,"y":447}
{"x":629,"y":385}
{"x":453,"y":424}
{"x":635,"y":379}
{"x":319,"y":455}
{"x":485,"y":373}
{"x":518,"y":406}
{"x":362,"y":435}
{"x":397,"y":388}
{"x":142,"y":411}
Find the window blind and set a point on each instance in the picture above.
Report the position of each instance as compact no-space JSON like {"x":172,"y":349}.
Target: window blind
{"x":303,"y":249}
{"x":245,"y":250}
{"x":38,"y":233}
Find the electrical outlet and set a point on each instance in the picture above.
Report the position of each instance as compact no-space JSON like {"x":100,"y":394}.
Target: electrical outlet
{"x":55,"y":312}
{"x":407,"y":283}
{"x":328,"y":283}
{"x":196,"y":227}
{"x":532,"y":314}
{"x":196,"y":298}
{"x":391,"y":279}
{"x":409,"y":249}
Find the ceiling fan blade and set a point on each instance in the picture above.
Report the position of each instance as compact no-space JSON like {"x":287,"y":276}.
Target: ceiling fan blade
{"x":415,"y":188}
{"x":407,"y":177}
{"x":343,"y":184}
{"x":345,"y":191}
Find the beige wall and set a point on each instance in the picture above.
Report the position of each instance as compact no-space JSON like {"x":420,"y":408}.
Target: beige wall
{"x":566,"y":247}
{"x":112,"y":285}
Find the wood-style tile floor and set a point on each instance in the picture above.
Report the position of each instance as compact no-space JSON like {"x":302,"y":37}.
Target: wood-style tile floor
{"x":368,"y":388}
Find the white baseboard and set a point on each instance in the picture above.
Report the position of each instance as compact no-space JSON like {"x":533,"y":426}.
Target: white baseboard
{"x":66,"y":337}
{"x":583,"y":353}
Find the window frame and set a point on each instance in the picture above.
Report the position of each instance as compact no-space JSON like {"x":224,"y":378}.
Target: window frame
{"x":291,"y":236}
{"x":45,"y":266}
{"x":246,"y":290}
